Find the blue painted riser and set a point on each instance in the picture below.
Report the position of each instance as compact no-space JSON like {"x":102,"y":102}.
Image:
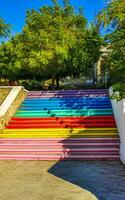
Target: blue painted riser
{"x":64,"y":107}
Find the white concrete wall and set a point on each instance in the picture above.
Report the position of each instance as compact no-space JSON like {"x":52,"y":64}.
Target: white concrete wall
{"x":9,"y":100}
{"x":119,"y":113}
{"x":10,"y":104}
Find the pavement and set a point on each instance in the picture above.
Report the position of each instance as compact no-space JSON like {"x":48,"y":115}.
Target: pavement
{"x":63,"y":180}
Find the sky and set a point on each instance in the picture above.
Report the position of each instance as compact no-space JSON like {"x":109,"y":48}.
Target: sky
{"x":14,"y":11}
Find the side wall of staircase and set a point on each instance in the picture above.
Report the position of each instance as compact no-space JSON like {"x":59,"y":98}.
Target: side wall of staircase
{"x":119,"y":114}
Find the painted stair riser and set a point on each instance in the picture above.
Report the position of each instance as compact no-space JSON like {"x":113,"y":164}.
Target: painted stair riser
{"x":42,"y":110}
{"x":58,"y":157}
{"x":75,"y":99}
{"x":62,"y":108}
{"x":61,"y":121}
{"x":57,"y":145}
{"x":86,"y":118}
{"x":61,"y":115}
{"x":54,"y":113}
{"x":37,"y":126}
{"x":60,"y":141}
{"x":59,"y":152}
{"x":64,"y":96}
{"x":70,"y":92}
{"x":101,"y":94}
{"x":72,"y":99}
{"x":65,"y":103}
{"x":45,"y":122}
{"x":68,"y":130}
{"x":68,"y":111}
{"x":50,"y":103}
{"x":63,"y":150}
{"x":38,"y":135}
{"x":68,"y":100}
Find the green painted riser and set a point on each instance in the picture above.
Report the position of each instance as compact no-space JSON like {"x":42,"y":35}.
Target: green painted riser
{"x":61,"y":115}
{"x":66,"y":111}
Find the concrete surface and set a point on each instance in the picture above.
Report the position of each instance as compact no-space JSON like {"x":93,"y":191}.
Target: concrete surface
{"x":64,"y":180}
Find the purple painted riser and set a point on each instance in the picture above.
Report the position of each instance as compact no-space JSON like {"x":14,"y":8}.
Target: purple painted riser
{"x":64,"y":96}
{"x":70,"y":94}
{"x":31,"y":97}
{"x":70,"y":91}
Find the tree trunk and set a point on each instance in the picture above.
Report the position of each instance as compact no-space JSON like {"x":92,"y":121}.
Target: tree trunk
{"x":53,"y":83}
{"x":57,"y":82}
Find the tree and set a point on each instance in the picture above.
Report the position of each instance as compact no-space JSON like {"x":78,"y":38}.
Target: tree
{"x":57,"y":42}
{"x":4,"y":28}
{"x":113,"y":17}
{"x":54,"y":43}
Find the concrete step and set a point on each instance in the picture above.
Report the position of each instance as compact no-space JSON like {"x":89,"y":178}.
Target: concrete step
{"x":58,"y":157}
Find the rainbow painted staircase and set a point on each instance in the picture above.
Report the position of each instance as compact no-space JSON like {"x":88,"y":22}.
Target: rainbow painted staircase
{"x":62,"y":125}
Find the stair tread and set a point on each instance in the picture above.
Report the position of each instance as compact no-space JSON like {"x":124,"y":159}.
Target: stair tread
{"x":62,"y":125}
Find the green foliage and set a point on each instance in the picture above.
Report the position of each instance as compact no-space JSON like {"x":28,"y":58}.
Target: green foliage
{"x":113,"y":16}
{"x":118,"y":91}
{"x":54,"y":43}
{"x":4,"y":28}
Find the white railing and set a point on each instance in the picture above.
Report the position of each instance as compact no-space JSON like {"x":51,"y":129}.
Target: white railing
{"x":119,"y":114}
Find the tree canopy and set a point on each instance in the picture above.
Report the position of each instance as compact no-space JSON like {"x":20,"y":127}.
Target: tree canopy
{"x":55,"y":42}
{"x":4,"y":28}
{"x":113,"y":18}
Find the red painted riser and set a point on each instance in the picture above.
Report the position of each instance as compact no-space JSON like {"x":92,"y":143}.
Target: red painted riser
{"x":37,"y":126}
{"x":59,"y":121}
{"x":88,"y":118}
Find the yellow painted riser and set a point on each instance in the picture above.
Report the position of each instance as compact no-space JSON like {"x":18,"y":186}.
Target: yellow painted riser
{"x":60,"y":130}
{"x":112,"y":135}
{"x":58,"y":133}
